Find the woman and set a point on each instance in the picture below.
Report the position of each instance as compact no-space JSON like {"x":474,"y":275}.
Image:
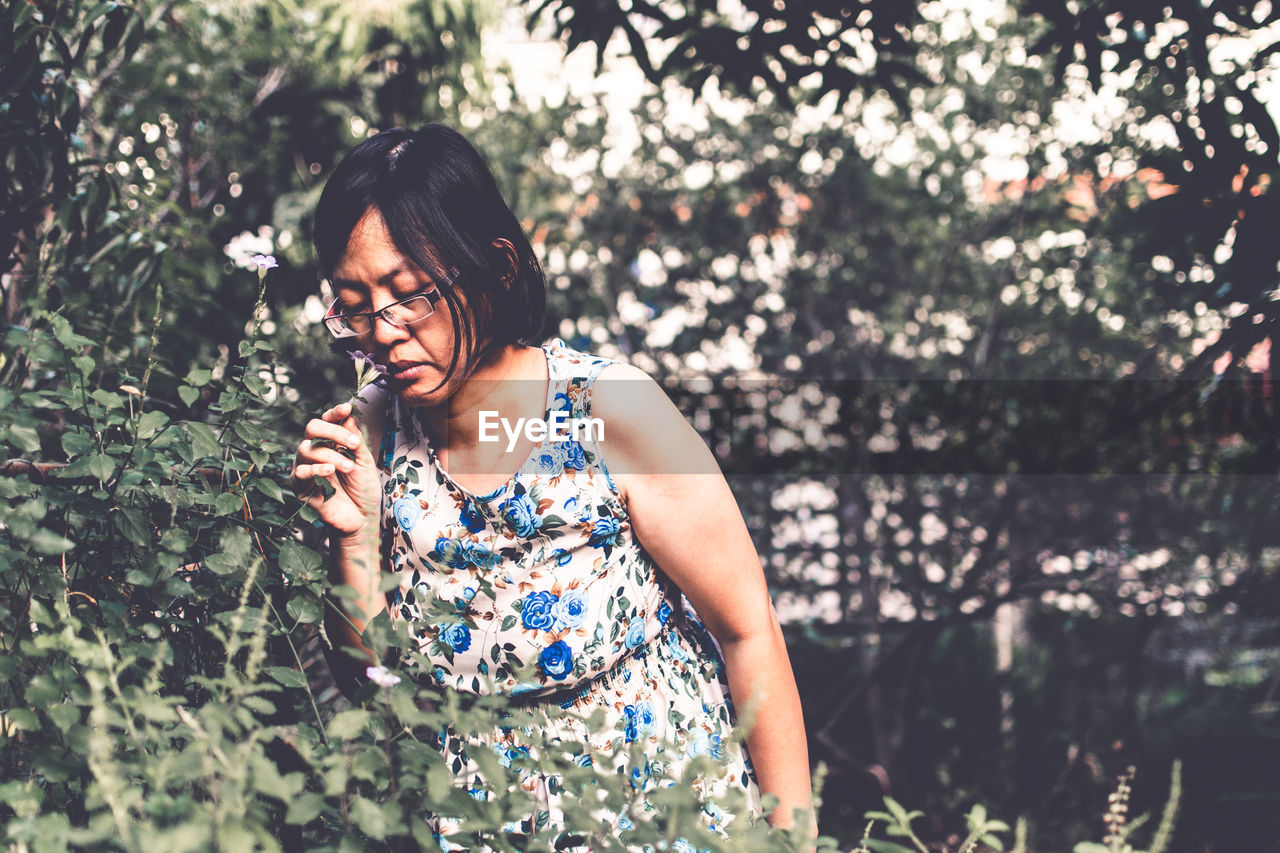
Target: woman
{"x":573,"y":582}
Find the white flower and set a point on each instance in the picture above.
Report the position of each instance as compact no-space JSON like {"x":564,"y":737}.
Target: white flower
{"x":382,"y":676}
{"x":245,"y":247}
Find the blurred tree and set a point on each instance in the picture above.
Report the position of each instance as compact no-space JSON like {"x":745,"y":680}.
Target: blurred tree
{"x":1195,"y":70}
{"x":942,"y":341}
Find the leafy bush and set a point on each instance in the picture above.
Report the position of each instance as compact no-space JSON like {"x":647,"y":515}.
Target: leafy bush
{"x":162,"y":617}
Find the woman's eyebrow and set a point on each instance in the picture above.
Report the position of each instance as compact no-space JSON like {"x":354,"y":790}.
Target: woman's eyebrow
{"x":386,"y":279}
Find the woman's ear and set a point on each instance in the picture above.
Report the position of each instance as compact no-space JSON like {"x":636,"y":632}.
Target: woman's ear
{"x":510,"y":260}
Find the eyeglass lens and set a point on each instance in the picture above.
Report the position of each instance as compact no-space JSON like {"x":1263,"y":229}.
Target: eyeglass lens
{"x":410,"y":310}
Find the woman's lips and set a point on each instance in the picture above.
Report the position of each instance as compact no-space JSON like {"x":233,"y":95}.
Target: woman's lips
{"x":407,"y":372}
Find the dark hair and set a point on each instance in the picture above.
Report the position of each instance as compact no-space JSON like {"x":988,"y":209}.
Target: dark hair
{"x":444,"y":212}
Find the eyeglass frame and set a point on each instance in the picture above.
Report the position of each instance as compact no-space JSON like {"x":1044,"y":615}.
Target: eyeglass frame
{"x":432,"y":295}
{"x":380,"y":313}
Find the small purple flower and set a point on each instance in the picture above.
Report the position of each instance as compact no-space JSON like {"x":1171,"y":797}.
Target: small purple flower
{"x":264,"y":262}
{"x":358,"y":356}
{"x":368,"y":371}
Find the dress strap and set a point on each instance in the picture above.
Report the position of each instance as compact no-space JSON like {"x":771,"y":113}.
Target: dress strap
{"x":577,"y":369}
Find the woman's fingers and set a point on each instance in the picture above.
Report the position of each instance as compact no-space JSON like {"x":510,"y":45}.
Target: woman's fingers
{"x":323,"y":451}
{"x":333,"y":449}
{"x":340,"y":434}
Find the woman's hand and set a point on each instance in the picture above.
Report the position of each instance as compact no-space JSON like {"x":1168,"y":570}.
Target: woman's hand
{"x":334,"y":450}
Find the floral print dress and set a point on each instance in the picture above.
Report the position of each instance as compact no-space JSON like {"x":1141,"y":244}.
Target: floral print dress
{"x":538,"y":590}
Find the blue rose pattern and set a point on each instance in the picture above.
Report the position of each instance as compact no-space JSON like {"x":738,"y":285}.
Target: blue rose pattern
{"x":571,"y":610}
{"x":605,"y":532}
{"x":456,"y":636}
{"x":572,"y":455}
{"x":635,"y":634}
{"x":407,"y":510}
{"x":462,"y":554}
{"x":522,"y":514}
{"x":471,"y":517}
{"x":566,"y":594}
{"x":536,"y":614}
{"x":556,"y":660}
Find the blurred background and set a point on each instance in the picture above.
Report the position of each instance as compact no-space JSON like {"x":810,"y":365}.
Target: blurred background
{"x":973,"y":300}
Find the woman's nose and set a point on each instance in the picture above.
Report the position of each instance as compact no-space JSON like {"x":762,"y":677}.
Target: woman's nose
{"x":387,"y":333}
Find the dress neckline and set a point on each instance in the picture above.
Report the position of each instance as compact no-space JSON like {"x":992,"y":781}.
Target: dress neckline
{"x":532,"y":455}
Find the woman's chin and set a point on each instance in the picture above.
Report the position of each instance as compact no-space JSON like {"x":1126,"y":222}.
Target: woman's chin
{"x":425,"y":391}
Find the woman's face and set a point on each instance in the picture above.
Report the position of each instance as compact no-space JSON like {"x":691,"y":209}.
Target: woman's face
{"x":372,"y":274}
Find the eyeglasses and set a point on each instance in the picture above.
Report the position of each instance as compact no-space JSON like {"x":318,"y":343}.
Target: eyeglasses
{"x":420,"y":306}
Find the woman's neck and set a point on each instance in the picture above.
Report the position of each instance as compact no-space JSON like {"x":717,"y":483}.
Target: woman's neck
{"x":511,"y":382}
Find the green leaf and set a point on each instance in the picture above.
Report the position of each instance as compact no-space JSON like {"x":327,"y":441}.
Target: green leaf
{"x":64,"y":715}
{"x":102,"y":466}
{"x":879,"y":846}
{"x":151,"y":423}
{"x":286,"y":676}
{"x":227,"y":503}
{"x":203,"y":440}
{"x":187,"y":394}
{"x":24,"y":719}
{"x":297,"y":560}
{"x":175,"y":541}
{"x":199,"y":376}
{"x":303,"y":610}
{"x":347,"y":725}
{"x":42,"y":691}
{"x":901,"y":815}
{"x":270,"y":488}
{"x":304,"y":808}
{"x":222,"y":564}
{"x":368,"y":818}
{"x":24,"y":438}
{"x":134,"y":525}
{"x":45,"y":541}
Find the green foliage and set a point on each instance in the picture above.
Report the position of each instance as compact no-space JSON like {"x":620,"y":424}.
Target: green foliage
{"x":156,"y":694}
{"x":160,"y":593}
{"x":984,"y":832}
{"x":917,"y":510}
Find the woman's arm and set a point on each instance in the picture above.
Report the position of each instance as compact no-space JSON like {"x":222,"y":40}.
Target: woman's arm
{"x":685,"y":516}
{"x":335,"y":449}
